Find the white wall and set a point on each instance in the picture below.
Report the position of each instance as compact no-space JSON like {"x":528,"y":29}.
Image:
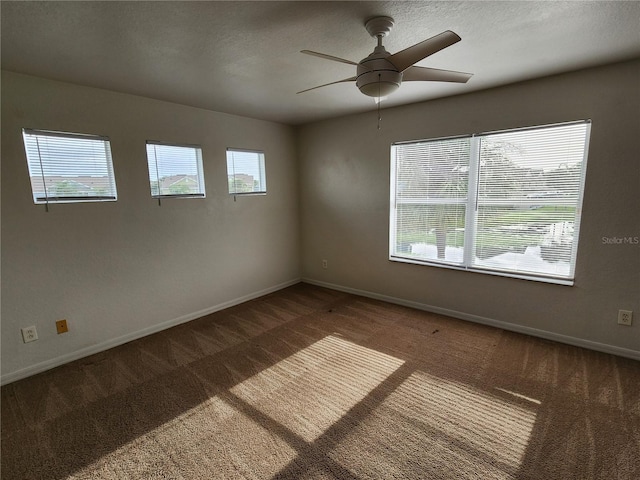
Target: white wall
{"x":121,"y":269}
{"x":344,"y":185}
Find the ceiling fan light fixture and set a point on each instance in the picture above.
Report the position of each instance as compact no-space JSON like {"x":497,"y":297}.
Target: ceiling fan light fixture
{"x":379,"y":84}
{"x":378,"y":89}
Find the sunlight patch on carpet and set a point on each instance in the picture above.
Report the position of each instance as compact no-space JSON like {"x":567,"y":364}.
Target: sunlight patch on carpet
{"x":211,"y":437}
{"x":324,"y":381}
{"x":519,"y":395}
{"x":452,"y":426}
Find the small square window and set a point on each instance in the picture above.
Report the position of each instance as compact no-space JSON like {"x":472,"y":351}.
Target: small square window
{"x":69,"y":167}
{"x":246,"y":172}
{"x":175,"y":170}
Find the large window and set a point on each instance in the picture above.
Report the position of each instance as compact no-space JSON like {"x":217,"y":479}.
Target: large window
{"x":245,"y":172}
{"x":504,"y":202}
{"x":175,"y":170}
{"x":69,"y":167}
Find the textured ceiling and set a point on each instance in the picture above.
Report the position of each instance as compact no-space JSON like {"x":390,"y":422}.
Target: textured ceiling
{"x":244,"y":57}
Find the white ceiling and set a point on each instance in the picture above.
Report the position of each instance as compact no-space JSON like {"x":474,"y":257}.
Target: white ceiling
{"x":244,"y":57}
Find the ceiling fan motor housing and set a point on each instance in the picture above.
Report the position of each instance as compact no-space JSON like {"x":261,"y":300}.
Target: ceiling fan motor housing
{"x":377,"y":76}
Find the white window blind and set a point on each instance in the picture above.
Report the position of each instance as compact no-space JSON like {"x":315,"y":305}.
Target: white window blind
{"x":69,"y":167}
{"x":431,"y":197}
{"x":175,"y":170}
{"x":506,"y":202}
{"x":246,"y":172}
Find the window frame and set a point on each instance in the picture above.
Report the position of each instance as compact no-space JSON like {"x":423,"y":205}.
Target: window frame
{"x":198,"y":167}
{"x":472,"y":204}
{"x":39,"y":165}
{"x":262,"y":169}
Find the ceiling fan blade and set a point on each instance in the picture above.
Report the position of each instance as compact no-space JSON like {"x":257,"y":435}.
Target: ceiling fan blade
{"x":350,"y":79}
{"x":328,"y":57}
{"x":407,"y":57}
{"x":434,"y":75}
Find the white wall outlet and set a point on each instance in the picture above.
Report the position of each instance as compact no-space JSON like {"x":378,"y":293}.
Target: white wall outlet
{"x":324,"y":264}
{"x":625,"y":317}
{"x":29,"y":334}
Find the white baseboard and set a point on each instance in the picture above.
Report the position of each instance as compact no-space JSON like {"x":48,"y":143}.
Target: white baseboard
{"x":85,"y":352}
{"x":534,"y":332}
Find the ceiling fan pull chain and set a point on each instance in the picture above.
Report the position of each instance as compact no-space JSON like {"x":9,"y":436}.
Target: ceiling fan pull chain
{"x":379,"y":98}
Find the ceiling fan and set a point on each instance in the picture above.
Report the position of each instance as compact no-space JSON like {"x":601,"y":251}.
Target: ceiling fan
{"x":381,"y":73}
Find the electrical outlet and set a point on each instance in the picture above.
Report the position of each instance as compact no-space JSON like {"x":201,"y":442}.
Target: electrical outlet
{"x":625,"y":317}
{"x":29,"y":334}
{"x":325,"y":264}
{"x":61,"y":326}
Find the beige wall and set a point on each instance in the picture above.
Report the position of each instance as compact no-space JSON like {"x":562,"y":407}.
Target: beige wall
{"x":344,"y":185}
{"x":119,"y":270}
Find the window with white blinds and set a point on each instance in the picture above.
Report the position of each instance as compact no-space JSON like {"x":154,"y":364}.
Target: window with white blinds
{"x":69,"y":167}
{"x":175,"y":170}
{"x":246,"y":172}
{"x":505,"y":202}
